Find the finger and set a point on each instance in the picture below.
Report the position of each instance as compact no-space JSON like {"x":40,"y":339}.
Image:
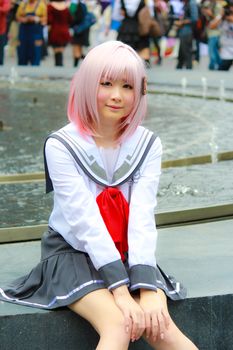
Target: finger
{"x":128,"y":324}
{"x":134,"y":330}
{"x":142,"y":325}
{"x":167,"y":318}
{"x":154,"y":326}
{"x":148,"y":325}
{"x":161,"y":324}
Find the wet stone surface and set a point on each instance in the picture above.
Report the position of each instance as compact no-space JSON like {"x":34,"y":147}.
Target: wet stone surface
{"x":180,"y":188}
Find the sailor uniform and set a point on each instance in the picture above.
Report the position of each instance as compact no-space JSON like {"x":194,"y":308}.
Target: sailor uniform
{"x":78,"y":253}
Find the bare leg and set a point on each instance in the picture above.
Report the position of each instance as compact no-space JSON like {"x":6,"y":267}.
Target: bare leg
{"x":174,"y":339}
{"x":77,"y":54}
{"x":100,"y":310}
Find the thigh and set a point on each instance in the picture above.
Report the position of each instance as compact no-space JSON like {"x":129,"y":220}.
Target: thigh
{"x":98,"y":308}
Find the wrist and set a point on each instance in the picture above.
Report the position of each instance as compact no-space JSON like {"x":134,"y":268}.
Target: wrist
{"x":145,"y":292}
{"x":120,"y":291}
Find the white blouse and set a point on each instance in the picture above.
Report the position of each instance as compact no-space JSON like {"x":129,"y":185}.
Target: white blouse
{"x":76,"y":215}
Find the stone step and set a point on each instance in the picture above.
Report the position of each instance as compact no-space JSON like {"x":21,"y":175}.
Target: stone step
{"x":198,"y":255}
{"x":206,"y":320}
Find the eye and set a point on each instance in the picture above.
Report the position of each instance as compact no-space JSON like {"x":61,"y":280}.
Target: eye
{"x":128,"y":86}
{"x":106,"y":83}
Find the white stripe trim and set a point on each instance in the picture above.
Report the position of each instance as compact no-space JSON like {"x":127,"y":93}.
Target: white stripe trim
{"x":114,"y":285}
{"x":61,"y":297}
{"x":142,"y":285}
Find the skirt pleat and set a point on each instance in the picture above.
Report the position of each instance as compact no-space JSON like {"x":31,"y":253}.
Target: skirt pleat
{"x":64,"y":275}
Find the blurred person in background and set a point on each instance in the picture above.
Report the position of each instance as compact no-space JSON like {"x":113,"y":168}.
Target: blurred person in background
{"x":225,"y":25}
{"x":128,"y":31}
{"x":185,"y":33}
{"x":80,"y":39}
{"x":32,"y":15}
{"x":12,"y":29}
{"x":59,"y":21}
{"x":213,"y":11}
{"x":4,"y":9}
{"x":226,"y":38}
{"x":161,"y":15}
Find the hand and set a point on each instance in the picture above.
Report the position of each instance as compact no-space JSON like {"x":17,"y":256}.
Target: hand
{"x":179,"y":23}
{"x":30,"y":19}
{"x":156,"y":316}
{"x":133,"y":314}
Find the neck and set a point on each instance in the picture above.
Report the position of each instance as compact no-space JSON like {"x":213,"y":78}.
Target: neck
{"x":107,"y":136}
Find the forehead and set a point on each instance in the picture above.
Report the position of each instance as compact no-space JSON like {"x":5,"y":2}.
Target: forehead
{"x":119,"y":73}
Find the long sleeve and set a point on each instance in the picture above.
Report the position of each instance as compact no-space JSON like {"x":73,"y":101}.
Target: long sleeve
{"x":77,"y":218}
{"x":142,"y":234}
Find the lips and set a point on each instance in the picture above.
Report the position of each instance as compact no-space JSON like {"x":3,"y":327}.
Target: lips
{"x":114,"y":107}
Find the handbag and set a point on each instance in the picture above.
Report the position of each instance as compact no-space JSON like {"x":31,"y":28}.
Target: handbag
{"x":88,"y":21}
{"x":148,"y":24}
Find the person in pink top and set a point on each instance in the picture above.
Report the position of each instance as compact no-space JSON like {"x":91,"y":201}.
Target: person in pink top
{"x":4,"y":9}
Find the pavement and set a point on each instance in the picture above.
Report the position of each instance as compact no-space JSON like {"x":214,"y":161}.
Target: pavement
{"x":165,"y":73}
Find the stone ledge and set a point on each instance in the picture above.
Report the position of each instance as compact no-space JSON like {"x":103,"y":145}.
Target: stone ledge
{"x":206,"y":320}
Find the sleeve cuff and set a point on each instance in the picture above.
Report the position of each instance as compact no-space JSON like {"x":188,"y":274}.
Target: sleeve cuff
{"x":142,"y":276}
{"x":114,"y":274}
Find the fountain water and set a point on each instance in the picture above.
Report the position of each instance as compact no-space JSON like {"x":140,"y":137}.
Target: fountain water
{"x":222,"y":90}
{"x":213,"y":145}
{"x":204,"y":86}
{"x":14,"y":76}
{"x":184,"y":85}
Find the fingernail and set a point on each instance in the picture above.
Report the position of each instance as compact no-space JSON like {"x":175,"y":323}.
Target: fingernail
{"x":127,"y":329}
{"x":162,"y":335}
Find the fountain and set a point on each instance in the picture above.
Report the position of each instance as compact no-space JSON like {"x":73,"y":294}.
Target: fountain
{"x":222,"y":90}
{"x":204,"y":87}
{"x":14,"y":76}
{"x":184,"y":85}
{"x":188,"y":127}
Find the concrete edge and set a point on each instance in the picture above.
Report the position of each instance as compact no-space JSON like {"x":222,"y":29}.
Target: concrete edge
{"x":206,"y":320}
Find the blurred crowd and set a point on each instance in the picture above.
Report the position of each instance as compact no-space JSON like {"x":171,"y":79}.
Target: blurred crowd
{"x":29,"y":27}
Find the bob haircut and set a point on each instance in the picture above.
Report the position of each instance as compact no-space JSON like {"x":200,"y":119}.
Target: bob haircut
{"x":112,"y":60}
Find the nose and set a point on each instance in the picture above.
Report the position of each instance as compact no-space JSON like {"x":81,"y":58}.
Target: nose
{"x":116,"y":93}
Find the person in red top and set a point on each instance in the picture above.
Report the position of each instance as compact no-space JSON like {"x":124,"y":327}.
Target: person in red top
{"x":4,"y":9}
{"x":59,"y":21}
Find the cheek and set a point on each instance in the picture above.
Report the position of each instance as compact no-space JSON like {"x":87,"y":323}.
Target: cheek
{"x":130,"y":101}
{"x":102,"y":97}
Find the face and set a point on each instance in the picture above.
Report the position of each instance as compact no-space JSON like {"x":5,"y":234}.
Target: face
{"x":115,"y":99}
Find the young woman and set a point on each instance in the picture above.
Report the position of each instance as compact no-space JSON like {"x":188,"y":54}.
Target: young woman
{"x":98,"y":256}
{"x":59,"y":21}
{"x":32,"y":16}
{"x":78,"y":11}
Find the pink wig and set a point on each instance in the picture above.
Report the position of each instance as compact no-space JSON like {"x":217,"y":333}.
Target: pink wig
{"x":113,"y":60}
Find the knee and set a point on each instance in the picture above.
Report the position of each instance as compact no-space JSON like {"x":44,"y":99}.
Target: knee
{"x":115,"y":328}
{"x":174,"y":339}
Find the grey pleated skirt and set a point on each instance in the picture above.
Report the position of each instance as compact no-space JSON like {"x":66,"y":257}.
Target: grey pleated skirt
{"x":64,"y":275}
